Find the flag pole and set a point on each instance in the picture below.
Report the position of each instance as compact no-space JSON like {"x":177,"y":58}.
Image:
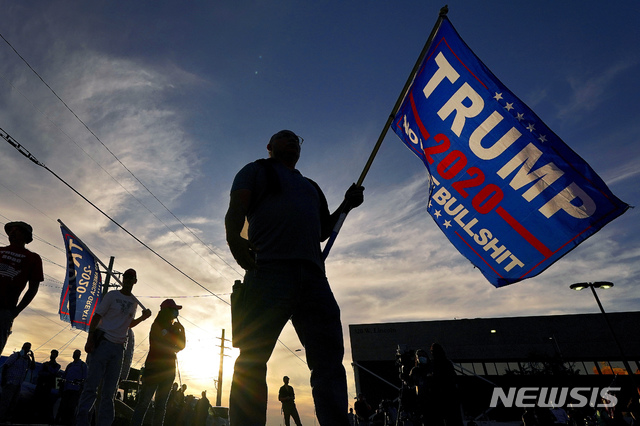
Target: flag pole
{"x":443,"y":13}
{"x":87,"y":247}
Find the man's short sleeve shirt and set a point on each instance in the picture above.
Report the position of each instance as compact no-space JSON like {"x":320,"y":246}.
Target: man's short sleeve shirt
{"x":75,"y":374}
{"x":283,"y":224}
{"x":16,"y":368}
{"x":18,"y":266}
{"x":117,"y":311}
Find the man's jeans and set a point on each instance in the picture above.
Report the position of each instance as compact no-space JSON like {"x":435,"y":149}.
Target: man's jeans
{"x":289,"y":410}
{"x":161,"y":390}
{"x":273,"y":293}
{"x":104,"y":363}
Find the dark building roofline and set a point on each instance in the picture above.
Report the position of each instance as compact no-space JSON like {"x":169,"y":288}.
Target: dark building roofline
{"x":574,"y":337}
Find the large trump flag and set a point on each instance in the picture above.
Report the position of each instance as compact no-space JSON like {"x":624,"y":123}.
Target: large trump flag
{"x":509,"y":194}
{"x":82,"y":287}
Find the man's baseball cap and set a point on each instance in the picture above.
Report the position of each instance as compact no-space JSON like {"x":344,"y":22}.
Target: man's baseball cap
{"x":170,"y":303}
{"x":25,"y":227}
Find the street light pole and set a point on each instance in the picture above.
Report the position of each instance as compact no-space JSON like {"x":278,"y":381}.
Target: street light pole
{"x":604,"y":285}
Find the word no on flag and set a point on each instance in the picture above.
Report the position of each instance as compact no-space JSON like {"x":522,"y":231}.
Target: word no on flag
{"x":509,"y":194}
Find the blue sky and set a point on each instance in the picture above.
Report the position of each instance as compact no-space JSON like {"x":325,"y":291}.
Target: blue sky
{"x":186,"y":93}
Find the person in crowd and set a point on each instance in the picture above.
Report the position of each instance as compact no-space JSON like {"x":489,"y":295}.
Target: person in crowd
{"x":180,"y":399}
{"x":528,"y":417}
{"x":363,"y":410}
{"x":173,"y":405}
{"x":166,"y":338}
{"x":420,"y":378}
{"x":14,"y":371}
{"x":352,"y":417}
{"x":633,"y":405}
{"x":287,"y":397}
{"x":18,"y":267}
{"x":560,"y":416}
{"x":446,"y":399}
{"x":202,"y":409}
{"x":188,"y":410}
{"x":105,"y":345}
{"x":379,"y":418}
{"x":285,"y":279}
{"x":45,"y":384}
{"x":73,"y":378}
{"x":544,"y":416}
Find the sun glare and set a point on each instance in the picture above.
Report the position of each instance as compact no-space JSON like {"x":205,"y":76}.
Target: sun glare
{"x":199,"y":364}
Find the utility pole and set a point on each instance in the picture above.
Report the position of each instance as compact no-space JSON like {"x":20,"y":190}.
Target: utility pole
{"x":222,"y":355}
{"x":105,"y":287}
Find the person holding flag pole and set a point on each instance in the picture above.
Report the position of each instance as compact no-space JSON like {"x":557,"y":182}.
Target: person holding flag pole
{"x":285,"y":279}
{"x":105,"y":345}
{"x":262,"y":305}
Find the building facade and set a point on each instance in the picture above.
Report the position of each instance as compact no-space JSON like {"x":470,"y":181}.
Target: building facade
{"x":556,"y":350}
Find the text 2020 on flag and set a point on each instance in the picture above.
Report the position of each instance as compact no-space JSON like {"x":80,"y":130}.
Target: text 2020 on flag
{"x":509,"y":194}
{"x":82,"y":287}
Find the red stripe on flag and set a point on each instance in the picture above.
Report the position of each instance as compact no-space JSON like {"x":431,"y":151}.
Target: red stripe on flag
{"x":478,"y":254}
{"x":423,"y":130}
{"x":524,"y":233}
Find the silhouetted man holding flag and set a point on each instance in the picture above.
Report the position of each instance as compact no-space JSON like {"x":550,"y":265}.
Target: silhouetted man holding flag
{"x":288,"y":217}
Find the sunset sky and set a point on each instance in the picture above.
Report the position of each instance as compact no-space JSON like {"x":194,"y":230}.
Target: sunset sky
{"x":178,"y":96}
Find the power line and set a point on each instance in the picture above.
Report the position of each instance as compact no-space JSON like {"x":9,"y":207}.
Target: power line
{"x":37,"y":237}
{"x":27,"y":154}
{"x":34,"y":207}
{"x":119,"y":161}
{"x":70,"y":341}
{"x":50,"y":278}
{"x":183,"y":297}
{"x":116,"y":181}
{"x":53,"y":263}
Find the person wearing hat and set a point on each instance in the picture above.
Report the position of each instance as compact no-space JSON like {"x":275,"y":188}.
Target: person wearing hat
{"x":108,"y":333}
{"x":287,"y":396}
{"x":18,"y":267}
{"x":166,"y":338}
{"x":288,"y":218}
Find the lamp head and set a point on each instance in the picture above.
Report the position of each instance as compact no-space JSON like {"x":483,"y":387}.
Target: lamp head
{"x":602,"y":284}
{"x":578,"y":286}
{"x":597,"y":284}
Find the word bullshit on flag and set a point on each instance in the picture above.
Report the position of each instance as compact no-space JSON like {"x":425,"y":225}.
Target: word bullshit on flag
{"x":509,"y":194}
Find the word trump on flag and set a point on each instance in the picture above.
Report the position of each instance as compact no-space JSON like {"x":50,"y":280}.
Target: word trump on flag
{"x":509,"y":194}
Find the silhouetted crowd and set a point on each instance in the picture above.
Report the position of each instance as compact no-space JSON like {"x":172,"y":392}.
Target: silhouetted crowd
{"x":48,"y":394}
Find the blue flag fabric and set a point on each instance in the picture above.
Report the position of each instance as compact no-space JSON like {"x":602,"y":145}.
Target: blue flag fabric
{"x":82,"y":287}
{"x":509,"y":194}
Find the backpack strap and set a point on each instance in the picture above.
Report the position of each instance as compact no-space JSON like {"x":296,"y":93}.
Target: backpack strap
{"x":273,"y":182}
{"x":274,"y":187}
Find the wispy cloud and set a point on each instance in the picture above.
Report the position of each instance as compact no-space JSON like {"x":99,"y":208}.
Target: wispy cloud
{"x":590,"y":91}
